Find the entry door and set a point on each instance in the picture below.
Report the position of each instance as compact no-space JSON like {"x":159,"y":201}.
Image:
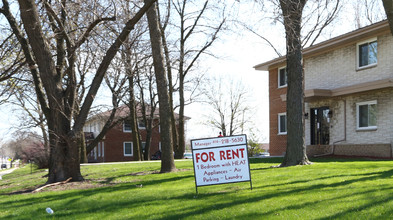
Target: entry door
{"x":320,"y":126}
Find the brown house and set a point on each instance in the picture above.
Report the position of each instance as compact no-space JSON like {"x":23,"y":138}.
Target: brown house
{"x":348,"y":89}
{"x":117,"y":144}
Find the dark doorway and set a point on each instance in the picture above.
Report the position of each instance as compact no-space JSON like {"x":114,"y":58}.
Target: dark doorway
{"x":320,"y":126}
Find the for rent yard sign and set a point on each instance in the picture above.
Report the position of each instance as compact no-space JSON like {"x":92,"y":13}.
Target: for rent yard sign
{"x":220,"y":160}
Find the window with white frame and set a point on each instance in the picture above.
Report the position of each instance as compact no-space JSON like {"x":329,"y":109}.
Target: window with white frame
{"x":282,"y":123}
{"x":127,"y":126}
{"x":366,"y":115}
{"x":367,"y":53}
{"x":141,"y":125}
{"x":127,"y":148}
{"x":282,"y":77}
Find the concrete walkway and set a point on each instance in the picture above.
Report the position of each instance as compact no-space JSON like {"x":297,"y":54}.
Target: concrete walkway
{"x":4,"y":172}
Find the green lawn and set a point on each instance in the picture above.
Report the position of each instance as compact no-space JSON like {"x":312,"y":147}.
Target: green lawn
{"x":328,"y":189}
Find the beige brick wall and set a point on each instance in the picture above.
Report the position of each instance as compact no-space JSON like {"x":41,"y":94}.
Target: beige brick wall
{"x":336,"y":69}
{"x":382,"y":135}
{"x":361,"y":150}
{"x":371,"y":150}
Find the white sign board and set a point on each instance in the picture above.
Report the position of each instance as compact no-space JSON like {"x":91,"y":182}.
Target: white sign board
{"x":220,"y":160}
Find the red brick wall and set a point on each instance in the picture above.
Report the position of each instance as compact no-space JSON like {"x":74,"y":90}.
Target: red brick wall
{"x":278,"y":143}
{"x":114,"y":139}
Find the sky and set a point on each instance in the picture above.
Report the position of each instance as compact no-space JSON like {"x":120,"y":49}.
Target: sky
{"x":239,"y":51}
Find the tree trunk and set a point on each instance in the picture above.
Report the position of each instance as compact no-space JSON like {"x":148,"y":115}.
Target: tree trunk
{"x":296,"y":148}
{"x":175,"y":135}
{"x":148,"y":143}
{"x":181,"y":147}
{"x":388,"y":6}
{"x":82,"y":148}
{"x":132,"y":106}
{"x":64,"y":159}
{"x":167,"y":160}
{"x":60,"y":96}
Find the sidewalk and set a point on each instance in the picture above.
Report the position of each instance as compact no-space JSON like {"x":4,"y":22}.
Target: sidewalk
{"x":6,"y":172}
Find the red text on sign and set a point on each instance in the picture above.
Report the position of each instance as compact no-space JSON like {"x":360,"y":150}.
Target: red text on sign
{"x":224,"y":155}
{"x":231,"y":154}
{"x":205,"y":157}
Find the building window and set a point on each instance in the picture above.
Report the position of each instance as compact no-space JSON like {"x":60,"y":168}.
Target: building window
{"x":282,"y":123}
{"x":127,"y":148}
{"x":366,"y":115}
{"x":367,"y":53}
{"x":282,"y":77}
{"x":141,"y":125}
{"x":127,"y":126}
{"x":103,"y":149}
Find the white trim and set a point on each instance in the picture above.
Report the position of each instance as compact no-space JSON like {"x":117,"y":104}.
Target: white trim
{"x":124,"y":149}
{"x":278,"y":78}
{"x":357,"y":54}
{"x":373,"y":102}
{"x":279,"y":123}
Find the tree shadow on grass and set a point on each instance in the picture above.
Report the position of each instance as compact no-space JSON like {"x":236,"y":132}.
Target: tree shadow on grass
{"x":222,"y":205}
{"x":133,"y":202}
{"x":33,"y":200}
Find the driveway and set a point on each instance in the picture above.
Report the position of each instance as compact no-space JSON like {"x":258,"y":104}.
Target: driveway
{"x":6,"y":172}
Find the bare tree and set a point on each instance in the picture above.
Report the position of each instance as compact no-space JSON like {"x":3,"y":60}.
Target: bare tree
{"x":28,"y":146}
{"x":366,"y":12}
{"x":317,"y":19}
{"x":52,"y":64}
{"x":230,"y":104}
{"x":194,"y":21}
{"x":167,"y":160}
{"x":296,"y":148}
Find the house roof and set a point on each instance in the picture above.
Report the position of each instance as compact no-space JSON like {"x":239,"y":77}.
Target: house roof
{"x":375,"y":29}
{"x":123,"y":112}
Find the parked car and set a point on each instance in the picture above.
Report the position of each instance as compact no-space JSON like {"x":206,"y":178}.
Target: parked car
{"x":187,"y":155}
{"x":3,"y":166}
{"x":156,"y":155}
{"x":263,"y":154}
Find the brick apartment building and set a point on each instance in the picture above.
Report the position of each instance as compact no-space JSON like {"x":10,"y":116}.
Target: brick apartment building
{"x":117,"y":144}
{"x":348,"y":95}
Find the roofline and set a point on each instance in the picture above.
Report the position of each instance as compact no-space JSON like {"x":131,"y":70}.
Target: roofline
{"x":336,"y":42}
{"x":317,"y":94}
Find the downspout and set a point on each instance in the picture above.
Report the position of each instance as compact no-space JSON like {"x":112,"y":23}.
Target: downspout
{"x":345,"y":133}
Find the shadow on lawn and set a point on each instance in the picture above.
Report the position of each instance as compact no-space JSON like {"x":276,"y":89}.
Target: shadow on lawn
{"x":34,"y":200}
{"x":131,"y":199}
{"x":223,"y":204}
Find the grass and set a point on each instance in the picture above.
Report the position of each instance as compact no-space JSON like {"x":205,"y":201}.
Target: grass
{"x":328,"y":189}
